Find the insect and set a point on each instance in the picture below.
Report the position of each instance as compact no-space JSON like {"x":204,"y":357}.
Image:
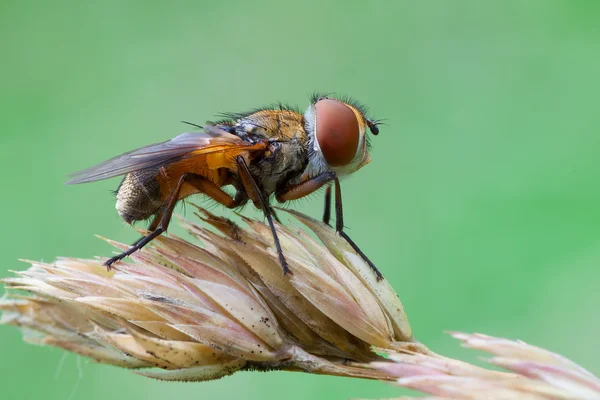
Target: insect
{"x":268,"y":151}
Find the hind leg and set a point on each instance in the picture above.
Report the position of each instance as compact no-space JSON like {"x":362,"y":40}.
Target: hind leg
{"x":152,"y":227}
{"x":163,"y":218}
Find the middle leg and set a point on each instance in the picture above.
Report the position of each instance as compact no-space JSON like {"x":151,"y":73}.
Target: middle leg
{"x":261,"y":202}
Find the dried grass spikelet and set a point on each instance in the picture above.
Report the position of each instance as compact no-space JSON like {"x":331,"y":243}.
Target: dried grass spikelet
{"x":176,"y":311}
{"x":535,"y":373}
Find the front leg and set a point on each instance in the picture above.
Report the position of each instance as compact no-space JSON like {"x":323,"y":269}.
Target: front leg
{"x":339,"y":227}
{"x":310,"y":186}
{"x":294,"y":192}
{"x":327,"y":209}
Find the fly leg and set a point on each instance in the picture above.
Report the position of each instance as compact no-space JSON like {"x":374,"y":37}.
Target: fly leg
{"x":261,"y":202}
{"x":163,"y":219}
{"x":274,"y":214}
{"x":327,"y":209}
{"x":153,"y":225}
{"x":305,"y":188}
{"x":339,"y":228}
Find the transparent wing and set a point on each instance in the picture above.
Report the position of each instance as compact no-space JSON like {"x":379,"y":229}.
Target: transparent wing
{"x":183,"y":146}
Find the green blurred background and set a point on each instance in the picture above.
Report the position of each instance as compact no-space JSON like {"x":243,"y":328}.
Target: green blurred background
{"x":481,"y":204}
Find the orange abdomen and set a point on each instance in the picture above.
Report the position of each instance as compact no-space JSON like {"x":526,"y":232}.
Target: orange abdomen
{"x":143,"y":193}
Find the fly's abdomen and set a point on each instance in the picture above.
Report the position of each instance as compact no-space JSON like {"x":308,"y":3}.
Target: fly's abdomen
{"x":138,"y":196}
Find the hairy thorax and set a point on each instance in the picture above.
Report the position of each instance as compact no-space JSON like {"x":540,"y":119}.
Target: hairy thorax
{"x":282,"y":163}
{"x":287,"y":156}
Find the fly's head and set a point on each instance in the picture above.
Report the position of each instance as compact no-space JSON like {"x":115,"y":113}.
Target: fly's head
{"x":337,"y":130}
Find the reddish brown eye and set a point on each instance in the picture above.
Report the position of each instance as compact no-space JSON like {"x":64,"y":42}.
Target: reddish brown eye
{"x":337,"y":132}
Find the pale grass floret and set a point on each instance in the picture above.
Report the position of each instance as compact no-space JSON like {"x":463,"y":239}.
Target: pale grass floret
{"x":535,"y":373}
{"x":178,"y":311}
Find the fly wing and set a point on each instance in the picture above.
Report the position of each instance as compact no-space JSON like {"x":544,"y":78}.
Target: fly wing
{"x":212,"y":140}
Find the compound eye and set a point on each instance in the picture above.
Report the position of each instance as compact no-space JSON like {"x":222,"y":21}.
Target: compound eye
{"x":337,"y":132}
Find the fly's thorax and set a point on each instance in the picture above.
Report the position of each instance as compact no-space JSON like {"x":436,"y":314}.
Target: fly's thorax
{"x":287,"y":155}
{"x":271,"y":124}
{"x":344,"y":163}
{"x":282,"y":163}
